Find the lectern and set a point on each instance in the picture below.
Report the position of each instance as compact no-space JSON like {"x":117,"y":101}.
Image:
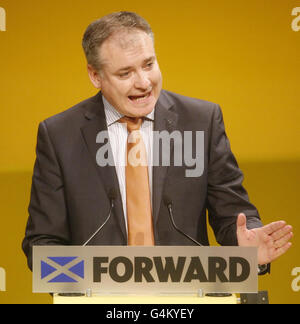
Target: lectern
{"x":154,"y":275}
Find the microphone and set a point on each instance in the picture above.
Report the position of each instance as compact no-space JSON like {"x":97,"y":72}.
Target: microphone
{"x":112,"y":195}
{"x":169,"y":204}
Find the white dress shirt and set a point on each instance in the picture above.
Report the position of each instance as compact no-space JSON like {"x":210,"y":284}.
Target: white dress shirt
{"x":118,"y":140}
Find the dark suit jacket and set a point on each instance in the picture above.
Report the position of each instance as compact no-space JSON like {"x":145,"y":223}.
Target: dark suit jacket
{"x":69,"y":197}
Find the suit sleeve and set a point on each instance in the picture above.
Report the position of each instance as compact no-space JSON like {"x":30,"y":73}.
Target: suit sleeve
{"x":226,"y":194}
{"x":48,"y":220}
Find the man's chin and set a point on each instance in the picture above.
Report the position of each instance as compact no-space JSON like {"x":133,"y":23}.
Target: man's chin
{"x":139,"y":111}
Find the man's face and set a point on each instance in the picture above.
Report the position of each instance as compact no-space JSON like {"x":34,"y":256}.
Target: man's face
{"x":130,"y":78}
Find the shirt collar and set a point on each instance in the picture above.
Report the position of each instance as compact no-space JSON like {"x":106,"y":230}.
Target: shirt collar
{"x":112,"y":115}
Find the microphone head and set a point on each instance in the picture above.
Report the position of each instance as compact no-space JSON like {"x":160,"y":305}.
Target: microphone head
{"x":167,"y":200}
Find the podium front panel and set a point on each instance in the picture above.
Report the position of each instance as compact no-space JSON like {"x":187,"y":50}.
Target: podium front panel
{"x":144,"y":270}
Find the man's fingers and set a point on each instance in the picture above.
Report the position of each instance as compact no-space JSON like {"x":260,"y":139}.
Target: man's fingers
{"x":281,"y":232}
{"x":283,"y":240}
{"x":273,"y":227}
{"x":282,"y":250}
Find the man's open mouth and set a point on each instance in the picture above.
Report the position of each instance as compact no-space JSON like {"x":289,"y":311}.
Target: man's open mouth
{"x":139,"y":98}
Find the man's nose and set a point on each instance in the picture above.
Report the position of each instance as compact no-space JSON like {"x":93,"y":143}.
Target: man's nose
{"x":142,"y":81}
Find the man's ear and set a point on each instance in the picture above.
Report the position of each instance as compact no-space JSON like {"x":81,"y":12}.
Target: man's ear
{"x":94,"y":76}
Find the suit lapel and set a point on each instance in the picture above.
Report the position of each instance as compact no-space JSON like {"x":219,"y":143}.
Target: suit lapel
{"x":165,"y":120}
{"x":96,"y":122}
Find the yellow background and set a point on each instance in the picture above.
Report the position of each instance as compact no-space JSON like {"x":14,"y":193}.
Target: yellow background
{"x":240,"y":54}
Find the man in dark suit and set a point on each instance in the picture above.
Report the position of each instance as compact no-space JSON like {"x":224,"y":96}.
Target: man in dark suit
{"x":70,"y":195}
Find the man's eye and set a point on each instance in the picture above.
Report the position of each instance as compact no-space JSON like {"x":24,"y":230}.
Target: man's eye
{"x":149,"y":65}
{"x":124,"y":75}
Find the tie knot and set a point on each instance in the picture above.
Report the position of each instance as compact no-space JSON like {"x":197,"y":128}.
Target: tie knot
{"x":133,"y":123}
